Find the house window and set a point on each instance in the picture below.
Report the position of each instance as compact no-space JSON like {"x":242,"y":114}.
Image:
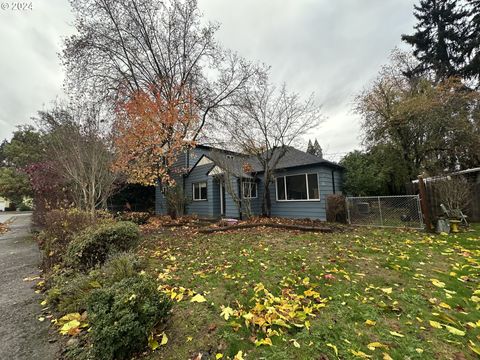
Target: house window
{"x":200,"y":191}
{"x":303,"y":187}
{"x":249,"y":189}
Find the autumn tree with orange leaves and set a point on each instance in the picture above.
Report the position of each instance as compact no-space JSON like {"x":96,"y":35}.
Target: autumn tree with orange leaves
{"x":150,"y":131}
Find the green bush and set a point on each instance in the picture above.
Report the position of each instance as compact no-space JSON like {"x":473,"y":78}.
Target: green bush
{"x":123,"y":315}
{"x":95,"y":244}
{"x":119,"y":267}
{"x":24,"y":207}
{"x":69,"y":290}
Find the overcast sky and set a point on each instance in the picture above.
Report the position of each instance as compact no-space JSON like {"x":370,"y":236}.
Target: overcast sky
{"x":331,"y":48}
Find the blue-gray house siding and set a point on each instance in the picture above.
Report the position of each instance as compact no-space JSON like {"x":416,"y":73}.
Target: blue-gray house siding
{"x":184,"y":162}
{"x":303,"y":209}
{"x":200,"y":207}
{"x":329,"y":178}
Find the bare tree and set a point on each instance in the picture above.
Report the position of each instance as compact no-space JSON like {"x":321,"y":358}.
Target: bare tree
{"x":266,"y":122}
{"x":454,"y":191}
{"x":80,"y":152}
{"x":232,"y":172}
{"x":123,"y":47}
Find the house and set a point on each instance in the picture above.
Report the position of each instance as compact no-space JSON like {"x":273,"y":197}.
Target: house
{"x":212,"y":179}
{"x":4,"y":204}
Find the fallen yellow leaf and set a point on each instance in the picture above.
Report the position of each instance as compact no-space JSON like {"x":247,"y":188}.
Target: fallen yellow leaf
{"x":374,"y":345}
{"x":437,"y":283}
{"x":164,"y":339}
{"x":226,"y":312}
{"x":334,"y":348}
{"x":198,"y":298}
{"x":435,"y":324}
{"x":266,"y":341}
{"x":394,"y":333}
{"x":455,"y":331}
{"x":239,"y":356}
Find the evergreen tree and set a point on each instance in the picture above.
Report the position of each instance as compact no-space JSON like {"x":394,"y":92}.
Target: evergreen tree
{"x":439,"y":38}
{"x":472,"y":70}
{"x":310,"y":147}
{"x":317,"y":149}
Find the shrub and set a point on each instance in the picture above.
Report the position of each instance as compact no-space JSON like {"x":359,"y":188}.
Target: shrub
{"x":69,"y":290}
{"x":176,"y":200}
{"x":336,"y":211}
{"x":136,"y":217}
{"x":123,"y":315}
{"x":95,"y":244}
{"x":69,"y":293}
{"x":60,"y":228}
{"x":24,"y":207}
{"x":119,"y":267}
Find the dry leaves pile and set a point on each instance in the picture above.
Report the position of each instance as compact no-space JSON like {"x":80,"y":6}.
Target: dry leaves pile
{"x":271,"y":315}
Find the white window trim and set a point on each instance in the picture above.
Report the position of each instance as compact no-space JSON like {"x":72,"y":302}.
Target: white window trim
{"x":243,"y":190}
{"x":193,"y":190}
{"x":308,"y":192}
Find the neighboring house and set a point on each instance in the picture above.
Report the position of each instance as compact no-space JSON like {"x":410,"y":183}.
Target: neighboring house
{"x":302,"y":183}
{"x":4,"y":203}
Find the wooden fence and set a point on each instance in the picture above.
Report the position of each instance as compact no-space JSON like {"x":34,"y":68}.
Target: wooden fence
{"x":472,"y":210}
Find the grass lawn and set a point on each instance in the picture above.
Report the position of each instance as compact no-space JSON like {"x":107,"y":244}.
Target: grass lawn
{"x":361,"y":293}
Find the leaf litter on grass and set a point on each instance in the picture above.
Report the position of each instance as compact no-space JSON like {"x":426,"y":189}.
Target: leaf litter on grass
{"x":400,"y":293}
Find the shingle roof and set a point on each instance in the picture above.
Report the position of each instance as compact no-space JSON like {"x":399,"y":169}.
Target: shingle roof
{"x":295,"y":158}
{"x":292,"y":158}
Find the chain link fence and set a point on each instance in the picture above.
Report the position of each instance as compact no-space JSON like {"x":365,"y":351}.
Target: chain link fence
{"x":385,"y":211}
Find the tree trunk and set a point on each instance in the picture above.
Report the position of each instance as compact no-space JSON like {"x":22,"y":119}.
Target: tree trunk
{"x":266,"y":202}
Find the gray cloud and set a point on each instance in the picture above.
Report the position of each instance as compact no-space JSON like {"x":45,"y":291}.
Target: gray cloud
{"x":331,"y":48}
{"x":30,"y":74}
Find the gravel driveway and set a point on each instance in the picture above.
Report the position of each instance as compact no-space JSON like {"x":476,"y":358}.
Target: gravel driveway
{"x":22,"y":336}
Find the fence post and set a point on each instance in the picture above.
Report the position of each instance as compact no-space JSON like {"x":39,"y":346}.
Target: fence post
{"x":380,"y":210}
{"x":419,"y":208}
{"x":424,"y":203}
{"x":348,"y":210}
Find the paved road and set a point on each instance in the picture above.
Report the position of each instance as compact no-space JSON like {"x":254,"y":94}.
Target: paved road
{"x":22,"y":336}
{"x":6,"y":216}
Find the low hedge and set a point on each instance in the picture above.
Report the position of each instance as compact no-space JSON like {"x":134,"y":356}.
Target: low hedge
{"x":123,"y":316}
{"x":96,"y":243}
{"x":69,"y":289}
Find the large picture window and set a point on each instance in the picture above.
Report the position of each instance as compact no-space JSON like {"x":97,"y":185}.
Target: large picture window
{"x":303,"y":187}
{"x":249,"y":189}
{"x":200,"y":191}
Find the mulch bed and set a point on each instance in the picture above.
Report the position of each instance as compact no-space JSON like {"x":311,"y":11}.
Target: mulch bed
{"x":271,"y":225}
{"x":208,"y":226}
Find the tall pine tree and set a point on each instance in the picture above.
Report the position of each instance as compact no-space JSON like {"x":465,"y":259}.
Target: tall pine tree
{"x":439,"y":38}
{"x":472,"y":70}
{"x":317,"y":149}
{"x":310,"y":147}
